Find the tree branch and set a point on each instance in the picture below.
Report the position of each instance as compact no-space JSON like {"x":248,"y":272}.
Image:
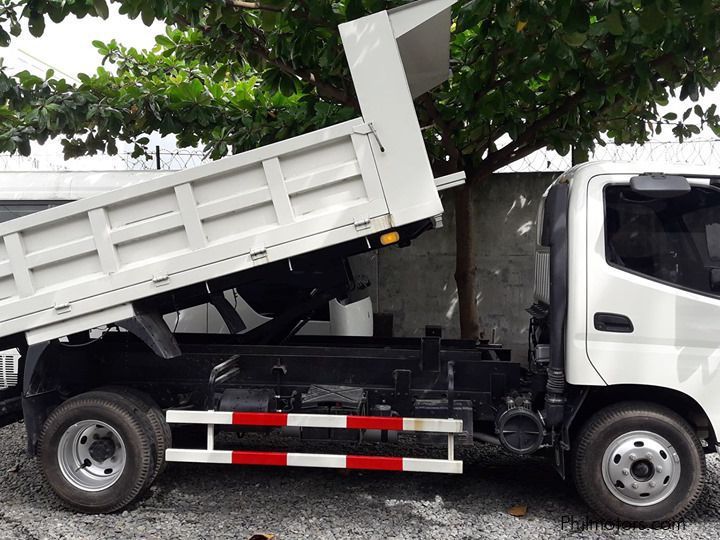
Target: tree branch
{"x":445,"y":129}
{"x":252,"y":5}
{"x":497,"y":162}
{"x":258,"y":45}
{"x":518,"y":148}
{"x":324,"y":90}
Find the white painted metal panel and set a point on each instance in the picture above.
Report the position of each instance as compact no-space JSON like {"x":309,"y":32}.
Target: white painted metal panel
{"x":442,"y":425}
{"x":175,"y":416}
{"x":422,"y":30}
{"x":449,"y":466}
{"x":95,"y":255}
{"x":328,"y":461}
{"x":218,"y":457}
{"x":386,"y":101}
{"x":67,"y":185}
{"x":674,"y":342}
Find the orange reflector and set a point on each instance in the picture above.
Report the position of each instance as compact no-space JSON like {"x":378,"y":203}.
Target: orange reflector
{"x":389,"y":238}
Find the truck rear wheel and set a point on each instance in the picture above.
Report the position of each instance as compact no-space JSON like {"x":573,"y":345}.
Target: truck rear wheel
{"x":156,"y":418}
{"x":97,"y":452}
{"x":638,"y":462}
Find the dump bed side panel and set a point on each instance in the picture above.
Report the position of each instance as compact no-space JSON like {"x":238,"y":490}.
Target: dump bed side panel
{"x":85,"y":262}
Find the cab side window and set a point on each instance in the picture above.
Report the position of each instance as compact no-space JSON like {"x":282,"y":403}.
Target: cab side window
{"x":676,"y":241}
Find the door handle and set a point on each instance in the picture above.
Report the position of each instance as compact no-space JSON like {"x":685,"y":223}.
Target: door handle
{"x":613,"y":322}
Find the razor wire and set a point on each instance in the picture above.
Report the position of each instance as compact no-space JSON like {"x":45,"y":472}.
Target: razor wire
{"x":691,"y":152}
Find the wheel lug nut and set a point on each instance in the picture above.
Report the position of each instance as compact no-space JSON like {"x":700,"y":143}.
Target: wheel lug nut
{"x":658,"y":469}
{"x":626,"y":472}
{"x":652,"y":484}
{"x":635,"y":486}
{"x":648,"y":455}
{"x":633,"y":457}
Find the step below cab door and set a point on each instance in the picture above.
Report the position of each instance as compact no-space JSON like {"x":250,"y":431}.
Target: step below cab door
{"x":653,"y":288}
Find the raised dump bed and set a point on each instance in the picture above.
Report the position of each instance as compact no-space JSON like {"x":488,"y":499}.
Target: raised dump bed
{"x":83,"y":264}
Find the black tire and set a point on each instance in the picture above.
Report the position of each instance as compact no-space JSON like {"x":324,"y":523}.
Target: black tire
{"x":161,"y":429}
{"x":138,"y":443}
{"x":605,"y":431}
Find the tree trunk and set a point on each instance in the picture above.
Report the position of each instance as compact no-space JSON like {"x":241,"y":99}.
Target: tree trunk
{"x":465,"y":269}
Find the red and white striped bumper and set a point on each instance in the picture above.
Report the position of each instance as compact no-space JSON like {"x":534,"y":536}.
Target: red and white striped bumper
{"x":389,"y":423}
{"x":332,"y":461}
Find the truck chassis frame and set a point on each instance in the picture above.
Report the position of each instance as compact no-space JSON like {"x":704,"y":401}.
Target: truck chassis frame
{"x":411,"y":377}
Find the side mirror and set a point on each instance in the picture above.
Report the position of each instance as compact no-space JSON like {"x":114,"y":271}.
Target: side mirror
{"x":715,"y":279}
{"x":660,"y":186}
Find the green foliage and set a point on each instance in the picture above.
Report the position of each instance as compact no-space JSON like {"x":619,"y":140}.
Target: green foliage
{"x":527,"y":74}
{"x":226,"y":106}
{"x":558,"y":74}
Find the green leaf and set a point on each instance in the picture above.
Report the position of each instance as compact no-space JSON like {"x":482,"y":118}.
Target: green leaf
{"x":15,"y":28}
{"x":689,"y":90}
{"x":287,"y":86}
{"x":614,"y":23}
{"x":23,"y":147}
{"x":164,"y":41}
{"x":479,"y":8}
{"x":101,"y":8}
{"x":219,"y":74}
{"x":196,"y":88}
{"x":574,"y":39}
{"x":651,"y":20}
{"x":111,"y":147}
{"x":36,"y":25}
{"x":147,"y":15}
{"x":578,"y":19}
{"x":354,"y":9}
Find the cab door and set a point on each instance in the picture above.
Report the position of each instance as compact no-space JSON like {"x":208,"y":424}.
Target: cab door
{"x":653,"y":297}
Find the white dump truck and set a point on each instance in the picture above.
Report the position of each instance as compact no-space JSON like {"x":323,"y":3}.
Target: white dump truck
{"x":618,"y":390}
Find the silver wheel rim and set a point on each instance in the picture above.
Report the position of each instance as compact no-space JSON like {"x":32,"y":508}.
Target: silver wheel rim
{"x":641,"y":468}
{"x":91,"y":455}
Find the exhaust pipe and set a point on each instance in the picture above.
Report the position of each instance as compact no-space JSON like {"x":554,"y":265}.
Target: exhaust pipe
{"x":555,"y":235}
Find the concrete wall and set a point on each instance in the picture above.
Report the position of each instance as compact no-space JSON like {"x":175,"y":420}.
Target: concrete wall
{"x":416,"y":284}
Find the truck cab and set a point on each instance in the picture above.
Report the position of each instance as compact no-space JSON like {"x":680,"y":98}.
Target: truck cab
{"x":627,"y":267}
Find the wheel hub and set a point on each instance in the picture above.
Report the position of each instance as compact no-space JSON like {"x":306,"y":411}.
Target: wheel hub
{"x":91,"y":455}
{"x":641,"y":468}
{"x":102,"y":449}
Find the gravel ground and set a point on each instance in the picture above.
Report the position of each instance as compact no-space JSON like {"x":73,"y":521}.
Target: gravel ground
{"x":192,"y":501}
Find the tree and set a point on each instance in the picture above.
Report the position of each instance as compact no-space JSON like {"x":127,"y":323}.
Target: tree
{"x":233,"y":74}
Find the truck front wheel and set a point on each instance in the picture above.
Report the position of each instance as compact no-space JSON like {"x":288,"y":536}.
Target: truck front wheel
{"x":638,"y":462}
{"x":97,"y":452}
